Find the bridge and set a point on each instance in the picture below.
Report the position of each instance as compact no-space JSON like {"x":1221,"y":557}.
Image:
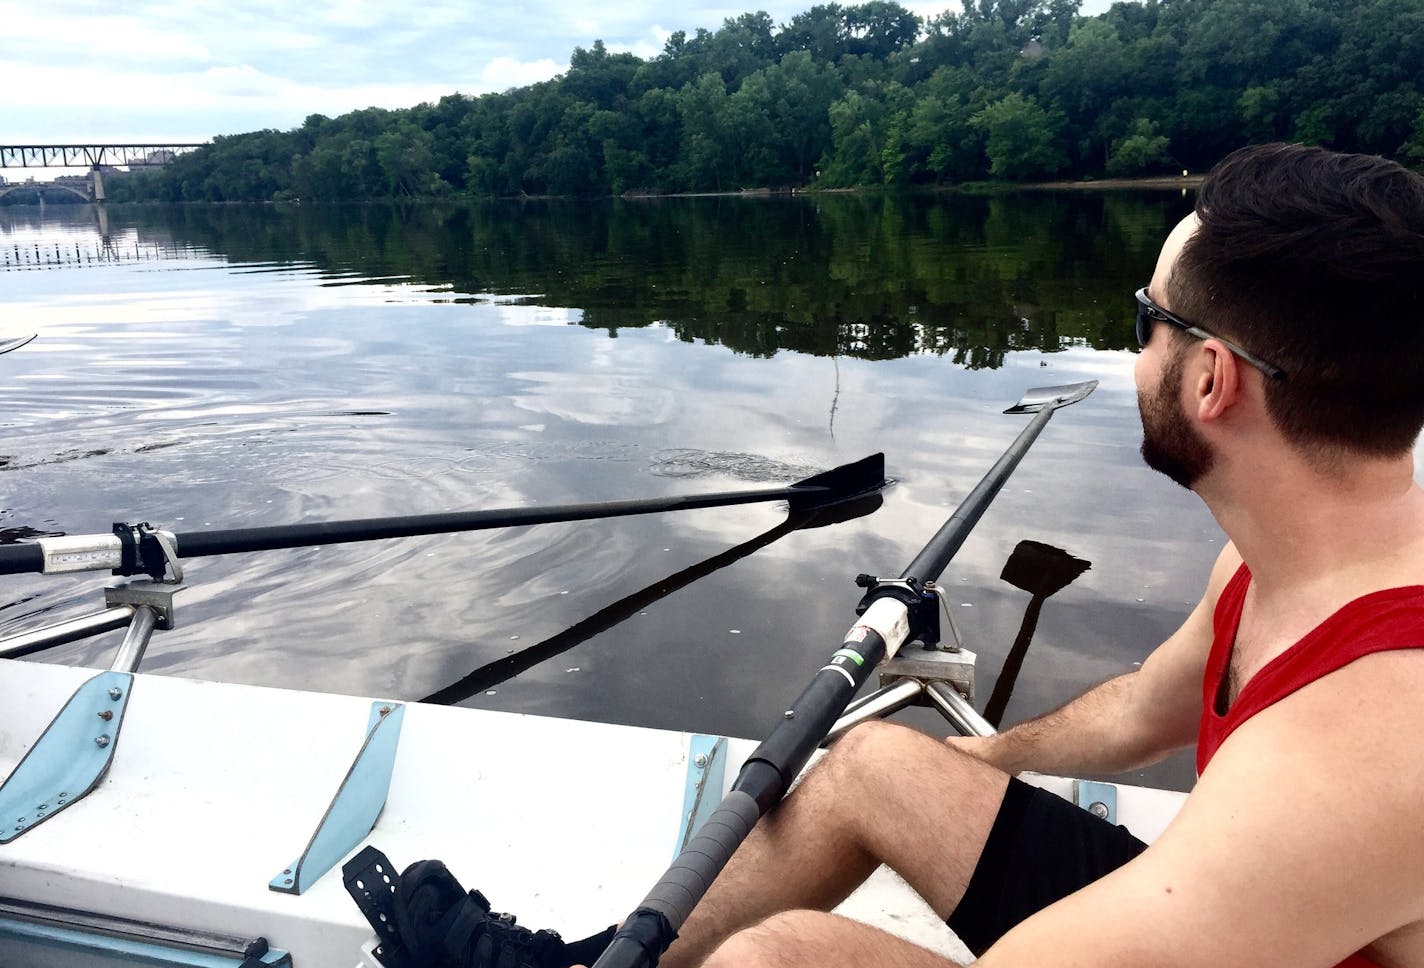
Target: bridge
{"x":90,"y":156}
{"x":94,"y":157}
{"x":42,"y":187}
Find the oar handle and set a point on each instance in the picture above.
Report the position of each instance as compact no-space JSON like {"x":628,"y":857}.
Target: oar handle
{"x":761,"y":784}
{"x":699,"y":863}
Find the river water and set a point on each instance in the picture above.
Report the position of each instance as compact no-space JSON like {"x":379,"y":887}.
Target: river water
{"x":221,"y":367}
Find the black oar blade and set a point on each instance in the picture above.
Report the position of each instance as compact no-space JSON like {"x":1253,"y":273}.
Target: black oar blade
{"x":1063,"y":395}
{"x":843,"y":483}
{"x":1041,"y":569}
{"x":6,"y":345}
{"x":842,"y":511}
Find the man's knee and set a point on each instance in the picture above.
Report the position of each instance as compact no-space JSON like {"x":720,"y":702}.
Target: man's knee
{"x":779,"y":940}
{"x":894,"y":766}
{"x":874,"y":741}
{"x":877,"y":747}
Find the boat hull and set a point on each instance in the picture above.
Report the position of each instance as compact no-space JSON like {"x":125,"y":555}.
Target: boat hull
{"x":214,"y":789}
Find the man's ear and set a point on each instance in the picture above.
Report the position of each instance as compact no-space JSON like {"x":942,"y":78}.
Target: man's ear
{"x":1217,"y":384}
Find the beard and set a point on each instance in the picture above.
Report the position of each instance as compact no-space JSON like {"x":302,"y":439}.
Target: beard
{"x":1170,"y":444}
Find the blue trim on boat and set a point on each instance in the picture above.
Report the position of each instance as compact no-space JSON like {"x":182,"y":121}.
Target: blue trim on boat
{"x":31,"y":941}
{"x":70,"y":757}
{"x":706,"y":769}
{"x":355,"y":807}
{"x":1089,"y":793}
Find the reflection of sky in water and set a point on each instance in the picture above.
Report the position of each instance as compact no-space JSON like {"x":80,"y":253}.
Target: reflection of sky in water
{"x":195,"y":395}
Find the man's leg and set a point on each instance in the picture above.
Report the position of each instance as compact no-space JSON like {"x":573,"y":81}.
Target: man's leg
{"x":810,"y":939}
{"x":884,"y":794}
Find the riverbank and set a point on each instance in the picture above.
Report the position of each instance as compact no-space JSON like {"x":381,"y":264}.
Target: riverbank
{"x":1163,"y":181}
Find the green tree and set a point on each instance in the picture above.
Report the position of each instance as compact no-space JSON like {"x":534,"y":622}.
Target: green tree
{"x":1021,"y":138}
{"x":704,"y":156}
{"x":1412,"y":153}
{"x":1142,"y":151}
{"x":857,"y":139}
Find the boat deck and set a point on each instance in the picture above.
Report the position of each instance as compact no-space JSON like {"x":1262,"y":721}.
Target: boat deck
{"x":215,"y":789}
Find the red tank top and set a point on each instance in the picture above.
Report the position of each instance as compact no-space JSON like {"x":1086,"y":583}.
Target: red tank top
{"x":1378,"y":622}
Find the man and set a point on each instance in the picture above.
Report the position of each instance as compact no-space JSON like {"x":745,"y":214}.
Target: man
{"x":1281,"y":379}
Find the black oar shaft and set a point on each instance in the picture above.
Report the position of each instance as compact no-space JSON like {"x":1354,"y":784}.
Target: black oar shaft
{"x":104,"y":552}
{"x":21,"y":559}
{"x":199,"y":543}
{"x":761,"y":784}
{"x":946,"y":543}
{"x":768,"y":773}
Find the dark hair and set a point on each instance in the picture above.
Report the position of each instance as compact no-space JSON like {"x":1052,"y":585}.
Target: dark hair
{"x":1314,"y":260}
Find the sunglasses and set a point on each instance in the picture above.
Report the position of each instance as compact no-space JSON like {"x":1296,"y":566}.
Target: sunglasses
{"x":1148,"y":312}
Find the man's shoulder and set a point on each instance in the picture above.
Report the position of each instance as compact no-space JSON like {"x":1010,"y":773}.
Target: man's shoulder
{"x":1355,"y":728}
{"x":1312,"y":805}
{"x":1228,"y":564}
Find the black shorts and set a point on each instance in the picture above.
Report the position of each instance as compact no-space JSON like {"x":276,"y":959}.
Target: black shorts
{"x":1040,"y":849}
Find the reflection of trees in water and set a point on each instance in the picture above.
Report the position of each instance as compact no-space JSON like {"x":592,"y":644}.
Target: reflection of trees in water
{"x":871,"y":276}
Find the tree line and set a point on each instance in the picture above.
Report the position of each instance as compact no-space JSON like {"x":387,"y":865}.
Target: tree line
{"x":870,"y":94}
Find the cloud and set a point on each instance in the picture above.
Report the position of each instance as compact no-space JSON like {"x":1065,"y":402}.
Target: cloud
{"x":162,"y":71}
{"x":503,"y":73}
{"x":647,"y":49}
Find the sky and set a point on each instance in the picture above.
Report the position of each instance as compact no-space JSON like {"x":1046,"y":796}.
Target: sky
{"x":74,"y":72}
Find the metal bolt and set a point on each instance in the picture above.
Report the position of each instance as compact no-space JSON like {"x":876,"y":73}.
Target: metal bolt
{"x":116,"y":693}
{"x":44,"y":806}
{"x":101,"y":741}
{"x":287,"y":880}
{"x":790,"y":714}
{"x":287,"y":871}
{"x":1098,"y":809}
{"x":106,"y":715}
{"x":700,"y":760}
{"x":62,"y":794}
{"x":22,"y":820}
{"x":385,"y":709}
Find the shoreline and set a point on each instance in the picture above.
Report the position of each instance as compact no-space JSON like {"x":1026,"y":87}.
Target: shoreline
{"x":1149,"y":183}
{"x":1155,"y":181}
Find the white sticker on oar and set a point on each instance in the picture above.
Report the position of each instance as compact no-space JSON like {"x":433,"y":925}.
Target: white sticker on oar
{"x":890,"y":619}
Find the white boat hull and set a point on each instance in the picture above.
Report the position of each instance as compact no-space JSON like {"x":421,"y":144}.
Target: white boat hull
{"x":214,"y":790}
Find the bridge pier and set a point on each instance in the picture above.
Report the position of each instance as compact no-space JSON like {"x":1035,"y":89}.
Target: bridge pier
{"x":97,"y":185}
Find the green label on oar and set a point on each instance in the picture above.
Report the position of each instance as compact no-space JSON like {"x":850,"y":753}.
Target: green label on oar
{"x":849,"y":654}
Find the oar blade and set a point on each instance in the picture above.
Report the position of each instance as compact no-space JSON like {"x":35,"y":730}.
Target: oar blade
{"x":6,"y":345}
{"x":1053,"y":397}
{"x":1041,"y":569}
{"x":865,"y":476}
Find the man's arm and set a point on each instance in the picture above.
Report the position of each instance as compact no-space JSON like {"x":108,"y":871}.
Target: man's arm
{"x":1125,"y":723}
{"x":1300,"y":845}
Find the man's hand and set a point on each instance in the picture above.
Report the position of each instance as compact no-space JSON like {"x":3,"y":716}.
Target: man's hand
{"x":1128,"y":722}
{"x":980,"y":747}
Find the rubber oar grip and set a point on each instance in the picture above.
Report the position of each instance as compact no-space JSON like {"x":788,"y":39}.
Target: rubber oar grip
{"x":654,"y":925}
{"x":699,"y":863}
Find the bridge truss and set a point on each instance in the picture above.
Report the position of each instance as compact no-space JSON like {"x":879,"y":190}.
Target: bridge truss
{"x":90,"y":156}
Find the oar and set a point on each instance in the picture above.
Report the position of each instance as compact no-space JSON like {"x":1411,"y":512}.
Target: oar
{"x":133,"y":550}
{"x":507,"y":667}
{"x":894,"y":612}
{"x":6,"y":345}
{"x":1041,"y":570}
